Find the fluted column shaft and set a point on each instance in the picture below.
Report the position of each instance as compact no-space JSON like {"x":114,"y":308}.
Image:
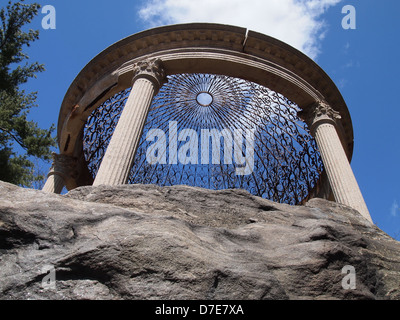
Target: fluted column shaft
{"x":63,"y":172}
{"x":119,"y":157}
{"x":322,"y":120}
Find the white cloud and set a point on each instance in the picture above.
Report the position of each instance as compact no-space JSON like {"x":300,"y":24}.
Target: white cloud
{"x":394,"y":210}
{"x":296,"y":22}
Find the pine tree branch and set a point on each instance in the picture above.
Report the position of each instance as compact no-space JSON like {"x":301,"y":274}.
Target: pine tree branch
{"x":15,"y":138}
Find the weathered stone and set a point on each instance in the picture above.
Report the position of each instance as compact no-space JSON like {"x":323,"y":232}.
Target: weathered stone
{"x":147,"y":242}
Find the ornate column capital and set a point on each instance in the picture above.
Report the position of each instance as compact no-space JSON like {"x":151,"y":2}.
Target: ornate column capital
{"x":318,"y":113}
{"x":64,"y":166}
{"x":151,"y":69}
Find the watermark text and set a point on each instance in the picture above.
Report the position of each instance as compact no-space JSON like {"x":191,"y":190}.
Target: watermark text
{"x":237,"y":147}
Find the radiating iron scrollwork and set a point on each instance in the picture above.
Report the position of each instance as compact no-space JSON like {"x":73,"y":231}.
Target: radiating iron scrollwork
{"x":287,"y":164}
{"x":99,"y":129}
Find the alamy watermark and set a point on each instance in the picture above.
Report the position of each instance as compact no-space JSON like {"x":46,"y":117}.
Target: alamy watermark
{"x":49,"y":280}
{"x":238,"y":147}
{"x":49,"y":20}
{"x":349,"y":20}
{"x":349,"y":281}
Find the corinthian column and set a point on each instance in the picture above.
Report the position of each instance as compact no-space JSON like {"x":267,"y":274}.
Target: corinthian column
{"x":119,"y":157}
{"x":322,"y":121}
{"x":62,"y":172}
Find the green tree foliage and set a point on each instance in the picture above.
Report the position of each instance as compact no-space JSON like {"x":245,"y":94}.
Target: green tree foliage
{"x":15,"y":128}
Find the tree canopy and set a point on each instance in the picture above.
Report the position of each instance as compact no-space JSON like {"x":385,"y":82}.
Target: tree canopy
{"x":20,"y":139}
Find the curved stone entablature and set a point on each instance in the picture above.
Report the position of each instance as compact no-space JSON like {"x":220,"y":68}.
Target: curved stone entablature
{"x":195,"y":48}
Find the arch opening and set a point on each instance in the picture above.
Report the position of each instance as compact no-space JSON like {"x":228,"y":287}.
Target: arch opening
{"x":247,"y":137}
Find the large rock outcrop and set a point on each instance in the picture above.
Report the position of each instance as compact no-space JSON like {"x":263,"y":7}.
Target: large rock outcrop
{"x":147,"y":242}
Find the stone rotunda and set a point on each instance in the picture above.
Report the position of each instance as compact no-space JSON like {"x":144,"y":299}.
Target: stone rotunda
{"x":211,"y":106}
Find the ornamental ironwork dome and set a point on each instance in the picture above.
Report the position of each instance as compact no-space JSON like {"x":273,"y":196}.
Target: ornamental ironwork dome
{"x":211,"y":106}
{"x":287,"y":164}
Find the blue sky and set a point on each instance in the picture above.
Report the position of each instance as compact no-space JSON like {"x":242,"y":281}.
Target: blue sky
{"x":362,"y":62}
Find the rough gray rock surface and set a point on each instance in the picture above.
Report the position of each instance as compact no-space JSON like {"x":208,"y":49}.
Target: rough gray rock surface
{"x":147,"y":242}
